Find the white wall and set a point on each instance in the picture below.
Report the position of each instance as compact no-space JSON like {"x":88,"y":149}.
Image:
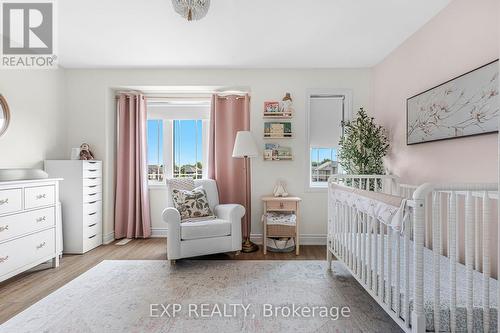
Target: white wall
{"x":91,"y":118}
{"x":445,"y":47}
{"x":36,"y":131}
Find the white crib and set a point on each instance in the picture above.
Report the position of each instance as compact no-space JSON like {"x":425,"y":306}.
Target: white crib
{"x":436,"y":273}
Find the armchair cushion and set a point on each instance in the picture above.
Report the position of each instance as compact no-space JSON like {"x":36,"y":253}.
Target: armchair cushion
{"x":192,"y":204}
{"x":205,"y":229}
{"x":181,"y":183}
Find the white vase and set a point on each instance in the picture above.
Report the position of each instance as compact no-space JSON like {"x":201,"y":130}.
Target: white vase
{"x":75,"y":153}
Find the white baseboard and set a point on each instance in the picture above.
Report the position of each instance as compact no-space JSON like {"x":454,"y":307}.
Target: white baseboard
{"x":159,"y":232}
{"x":108,"y":238}
{"x":307,"y":239}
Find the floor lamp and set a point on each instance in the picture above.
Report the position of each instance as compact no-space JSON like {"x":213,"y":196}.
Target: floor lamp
{"x":245,"y":147}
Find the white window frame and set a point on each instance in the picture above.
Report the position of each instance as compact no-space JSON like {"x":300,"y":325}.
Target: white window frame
{"x":168,"y":142}
{"x":347,"y":94}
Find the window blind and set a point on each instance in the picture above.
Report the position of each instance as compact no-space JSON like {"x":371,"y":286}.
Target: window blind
{"x":185,"y":112}
{"x":326,"y":114}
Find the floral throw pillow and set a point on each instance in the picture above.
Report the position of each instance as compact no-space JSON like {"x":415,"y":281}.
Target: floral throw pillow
{"x":192,"y":205}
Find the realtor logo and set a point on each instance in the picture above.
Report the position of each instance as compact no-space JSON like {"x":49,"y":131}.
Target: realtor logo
{"x":28,"y":34}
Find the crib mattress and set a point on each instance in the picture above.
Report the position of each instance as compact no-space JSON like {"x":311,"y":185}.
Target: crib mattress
{"x":445,"y":291}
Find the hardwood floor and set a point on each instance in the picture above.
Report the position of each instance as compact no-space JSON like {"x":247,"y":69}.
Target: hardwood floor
{"x":20,"y":292}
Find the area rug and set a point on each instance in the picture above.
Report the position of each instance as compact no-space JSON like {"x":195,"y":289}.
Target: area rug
{"x":207,"y":296}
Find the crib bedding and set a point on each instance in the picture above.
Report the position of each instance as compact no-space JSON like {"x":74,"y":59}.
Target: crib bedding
{"x":388,"y":209}
{"x":444,"y":266}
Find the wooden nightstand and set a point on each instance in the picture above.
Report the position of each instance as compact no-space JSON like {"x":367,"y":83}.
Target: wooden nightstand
{"x":283,"y":205}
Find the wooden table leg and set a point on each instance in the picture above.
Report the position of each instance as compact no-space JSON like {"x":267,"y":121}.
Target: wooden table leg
{"x":264,"y":231}
{"x":297,"y":234}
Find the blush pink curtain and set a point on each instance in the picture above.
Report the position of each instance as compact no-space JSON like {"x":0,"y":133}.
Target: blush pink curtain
{"x":132,"y":215}
{"x":228,"y":115}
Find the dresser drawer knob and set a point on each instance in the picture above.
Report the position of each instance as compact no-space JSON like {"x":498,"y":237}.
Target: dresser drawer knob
{"x":4,"y":201}
{"x":41,"y":219}
{"x":3,"y":259}
{"x":41,"y":196}
{"x":3,"y":228}
{"x":39,"y":246}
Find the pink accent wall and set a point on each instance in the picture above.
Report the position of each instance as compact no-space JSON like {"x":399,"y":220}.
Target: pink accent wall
{"x":463,"y":36}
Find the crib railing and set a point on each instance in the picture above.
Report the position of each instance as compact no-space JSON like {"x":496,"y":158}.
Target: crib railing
{"x":377,"y":183}
{"x":450,"y":204}
{"x":359,"y":240}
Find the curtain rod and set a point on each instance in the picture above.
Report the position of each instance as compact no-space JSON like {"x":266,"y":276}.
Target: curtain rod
{"x":222,"y":94}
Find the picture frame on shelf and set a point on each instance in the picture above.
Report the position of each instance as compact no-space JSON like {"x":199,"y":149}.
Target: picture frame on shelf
{"x":278,"y":130}
{"x":271,"y":107}
{"x":275,"y":152}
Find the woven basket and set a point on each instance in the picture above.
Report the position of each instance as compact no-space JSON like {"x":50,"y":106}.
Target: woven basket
{"x":282,"y":244}
{"x":279,"y":230}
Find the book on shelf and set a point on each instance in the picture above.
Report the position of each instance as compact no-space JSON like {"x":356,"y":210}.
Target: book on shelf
{"x":274,"y":152}
{"x":278,"y":129}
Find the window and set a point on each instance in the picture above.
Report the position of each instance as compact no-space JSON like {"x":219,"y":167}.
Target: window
{"x":323,"y":165}
{"x":188,"y":149}
{"x":324,"y":126}
{"x":177,"y":140}
{"x":156,"y":167}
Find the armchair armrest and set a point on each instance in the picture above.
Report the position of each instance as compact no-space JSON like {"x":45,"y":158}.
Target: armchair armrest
{"x":172,"y":217}
{"x":232,"y":213}
{"x":229,"y":211}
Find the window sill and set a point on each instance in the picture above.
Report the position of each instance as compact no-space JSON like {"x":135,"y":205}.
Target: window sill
{"x":158,"y":186}
{"x":316,"y":189}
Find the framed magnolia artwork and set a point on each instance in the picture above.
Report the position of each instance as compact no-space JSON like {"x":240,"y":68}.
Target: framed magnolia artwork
{"x":464,"y":106}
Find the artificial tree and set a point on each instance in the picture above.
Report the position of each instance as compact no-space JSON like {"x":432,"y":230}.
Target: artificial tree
{"x":363,"y":146}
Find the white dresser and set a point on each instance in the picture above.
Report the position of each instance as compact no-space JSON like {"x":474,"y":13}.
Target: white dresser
{"x":81,"y":198}
{"x":29,"y":225}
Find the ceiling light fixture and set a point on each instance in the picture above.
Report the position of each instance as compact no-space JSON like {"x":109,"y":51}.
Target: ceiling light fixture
{"x":191,"y":9}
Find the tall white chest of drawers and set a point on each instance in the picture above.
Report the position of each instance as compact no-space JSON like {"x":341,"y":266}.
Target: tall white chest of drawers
{"x":81,"y":198}
{"x":29,"y":225}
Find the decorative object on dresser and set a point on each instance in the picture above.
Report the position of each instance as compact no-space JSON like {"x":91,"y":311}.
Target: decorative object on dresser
{"x":281,"y":219}
{"x":245,"y":147}
{"x":85,"y":153}
{"x":464,"y":106}
{"x":81,"y":197}
{"x":75,"y":153}
{"x":29,"y":225}
{"x":280,"y":189}
{"x":4,"y":115}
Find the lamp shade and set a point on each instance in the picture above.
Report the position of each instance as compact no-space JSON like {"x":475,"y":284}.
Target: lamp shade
{"x":244,"y":145}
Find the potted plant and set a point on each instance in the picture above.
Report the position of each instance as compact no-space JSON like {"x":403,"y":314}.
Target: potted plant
{"x":363,"y":146}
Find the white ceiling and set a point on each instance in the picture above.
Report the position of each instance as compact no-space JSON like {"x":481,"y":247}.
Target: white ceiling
{"x":237,"y":33}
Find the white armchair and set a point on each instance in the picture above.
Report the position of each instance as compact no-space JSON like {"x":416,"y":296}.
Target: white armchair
{"x":190,"y":239}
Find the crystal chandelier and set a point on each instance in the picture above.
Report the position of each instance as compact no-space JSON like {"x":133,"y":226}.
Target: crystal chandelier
{"x":191,"y":9}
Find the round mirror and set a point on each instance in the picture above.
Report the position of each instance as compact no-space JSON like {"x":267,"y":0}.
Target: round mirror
{"x":4,"y":115}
